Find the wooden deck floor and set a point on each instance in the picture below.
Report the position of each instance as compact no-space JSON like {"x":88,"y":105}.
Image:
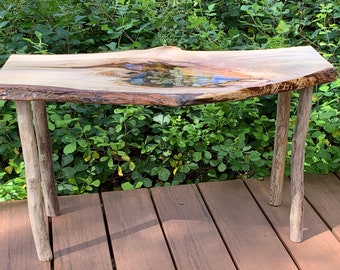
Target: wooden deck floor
{"x":224,"y":225}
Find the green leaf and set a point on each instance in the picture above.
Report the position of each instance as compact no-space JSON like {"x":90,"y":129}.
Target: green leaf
{"x":222,"y":167}
{"x":78,"y":18}
{"x":3,"y":24}
{"x":139,"y":184}
{"x":246,"y":148}
{"x":66,"y":159}
{"x":96,"y":183}
{"x":89,"y":188}
{"x":161,"y":119}
{"x":119,"y":128}
{"x":164,"y":174}
{"x":207,"y":155}
{"x":147,"y":182}
{"x":132,"y":166}
{"x":124,"y":156}
{"x":179,"y":177}
{"x":127,"y":186}
{"x":197,"y":156}
{"x":105,"y":27}
{"x":154,"y":171}
{"x":184,"y":168}
{"x":214,"y":162}
{"x":82,"y":143}
{"x":282,"y":27}
{"x":70,"y":148}
{"x":72,"y":181}
{"x":112,"y":46}
{"x":193,"y":166}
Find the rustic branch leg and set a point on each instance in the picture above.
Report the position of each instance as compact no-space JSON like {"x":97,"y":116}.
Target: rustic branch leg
{"x":297,"y":164}
{"x":34,"y":199}
{"x":45,"y":158}
{"x":280,"y":146}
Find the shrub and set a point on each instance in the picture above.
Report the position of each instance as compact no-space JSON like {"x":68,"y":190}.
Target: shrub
{"x":139,"y":146}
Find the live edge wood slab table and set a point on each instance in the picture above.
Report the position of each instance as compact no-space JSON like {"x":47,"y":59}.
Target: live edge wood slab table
{"x":166,"y":76}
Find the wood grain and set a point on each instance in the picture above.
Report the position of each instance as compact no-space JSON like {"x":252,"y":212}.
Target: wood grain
{"x":17,"y":249}
{"x":32,"y":170}
{"x":323,"y":193}
{"x":189,"y":229}
{"x":250,"y":238}
{"x":79,"y":236}
{"x":135,"y":233}
{"x":297,"y":164}
{"x":320,"y":250}
{"x":107,"y":77}
{"x":45,"y":158}
{"x":280,"y":147}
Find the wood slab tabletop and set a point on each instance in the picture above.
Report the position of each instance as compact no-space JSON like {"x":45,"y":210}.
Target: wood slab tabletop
{"x":165,"y":76}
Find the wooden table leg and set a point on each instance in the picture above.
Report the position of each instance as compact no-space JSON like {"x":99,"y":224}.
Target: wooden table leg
{"x":297,"y":164}
{"x":280,"y":147}
{"x":45,"y":158}
{"x":34,"y":199}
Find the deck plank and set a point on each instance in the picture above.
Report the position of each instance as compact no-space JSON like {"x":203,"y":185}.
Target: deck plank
{"x":319,"y":250}
{"x":136,"y":236}
{"x":79,"y":236}
{"x":323,"y":193}
{"x":17,"y":249}
{"x":80,"y":240}
{"x":190,"y":231}
{"x":250,"y":238}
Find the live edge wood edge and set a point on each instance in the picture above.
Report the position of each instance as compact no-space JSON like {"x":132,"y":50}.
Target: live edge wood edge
{"x":97,"y":78}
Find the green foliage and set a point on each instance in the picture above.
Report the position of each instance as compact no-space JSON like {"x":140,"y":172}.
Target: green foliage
{"x":323,"y":149}
{"x":14,"y":188}
{"x":286,"y":23}
{"x":109,"y":147}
